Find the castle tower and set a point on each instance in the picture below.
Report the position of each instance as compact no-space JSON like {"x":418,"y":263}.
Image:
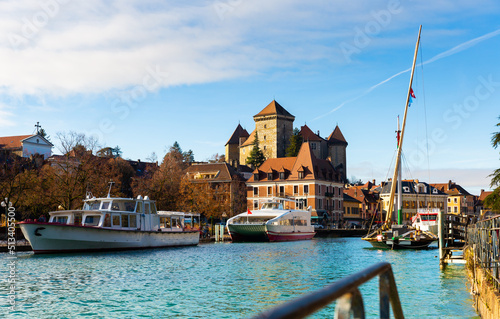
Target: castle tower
{"x":240,"y":135}
{"x":274,"y":126}
{"x":337,"y":146}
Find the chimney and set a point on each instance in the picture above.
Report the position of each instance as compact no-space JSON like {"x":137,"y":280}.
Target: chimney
{"x":449,"y":184}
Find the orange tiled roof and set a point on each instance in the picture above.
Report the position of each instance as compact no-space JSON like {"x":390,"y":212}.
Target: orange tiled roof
{"x":337,"y":136}
{"x":238,"y":132}
{"x":274,"y":108}
{"x":250,"y":139}
{"x":308,"y":135}
{"x":305,"y":161}
{"x":12,"y":142}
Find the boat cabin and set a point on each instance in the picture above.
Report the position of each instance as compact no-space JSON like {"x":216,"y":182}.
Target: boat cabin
{"x":178,"y":221}
{"x":122,"y":213}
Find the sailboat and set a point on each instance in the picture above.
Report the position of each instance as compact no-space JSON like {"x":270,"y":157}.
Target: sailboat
{"x":396,"y":236}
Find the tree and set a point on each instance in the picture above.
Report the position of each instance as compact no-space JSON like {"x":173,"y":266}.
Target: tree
{"x":43,"y":134}
{"x":163,"y":184}
{"x":216,"y":158}
{"x":295,"y":143}
{"x":493,"y":200}
{"x":256,"y":157}
{"x":110,"y":152}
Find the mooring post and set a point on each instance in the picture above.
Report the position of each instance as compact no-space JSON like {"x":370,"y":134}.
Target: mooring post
{"x":441,"y":238}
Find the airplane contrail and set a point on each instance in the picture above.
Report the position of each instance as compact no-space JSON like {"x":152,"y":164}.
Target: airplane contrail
{"x":463,"y":46}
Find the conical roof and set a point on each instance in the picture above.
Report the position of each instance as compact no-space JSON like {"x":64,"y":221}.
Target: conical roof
{"x":274,"y":108}
{"x":336,"y":137}
{"x":238,"y":132}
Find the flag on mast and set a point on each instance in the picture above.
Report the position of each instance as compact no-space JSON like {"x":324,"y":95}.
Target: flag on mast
{"x":249,"y":212}
{"x":412,"y":96}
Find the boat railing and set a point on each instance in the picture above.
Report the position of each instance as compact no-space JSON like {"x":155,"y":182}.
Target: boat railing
{"x":346,"y":291}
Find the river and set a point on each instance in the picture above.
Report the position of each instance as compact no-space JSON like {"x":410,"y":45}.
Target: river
{"x":225,"y":280}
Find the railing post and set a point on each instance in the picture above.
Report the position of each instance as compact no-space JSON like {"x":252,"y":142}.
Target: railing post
{"x":441,"y":237}
{"x":351,"y":302}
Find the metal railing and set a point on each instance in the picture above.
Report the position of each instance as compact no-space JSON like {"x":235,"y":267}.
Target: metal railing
{"x":350,"y":301}
{"x":483,"y":238}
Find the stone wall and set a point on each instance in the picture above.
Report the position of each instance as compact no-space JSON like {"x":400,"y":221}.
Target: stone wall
{"x":486,"y":297}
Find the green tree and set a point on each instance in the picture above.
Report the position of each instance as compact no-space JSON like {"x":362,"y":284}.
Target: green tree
{"x":256,"y":157}
{"x":493,"y":200}
{"x":295,"y":143}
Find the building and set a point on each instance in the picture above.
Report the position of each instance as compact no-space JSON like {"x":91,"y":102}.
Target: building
{"x":459,"y":200}
{"x":368,"y":198}
{"x":306,"y":179}
{"x":483,"y":211}
{"x":223,"y":184}
{"x":273,"y":129}
{"x":415,"y":195}
{"x":26,"y":145}
{"x":352,"y":211}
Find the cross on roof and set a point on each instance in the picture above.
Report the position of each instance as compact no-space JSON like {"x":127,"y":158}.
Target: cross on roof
{"x":38,"y":126}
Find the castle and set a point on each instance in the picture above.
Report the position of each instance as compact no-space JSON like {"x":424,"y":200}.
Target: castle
{"x":273,"y":129}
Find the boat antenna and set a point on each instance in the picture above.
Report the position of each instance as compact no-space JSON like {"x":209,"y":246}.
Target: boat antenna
{"x":111,"y":183}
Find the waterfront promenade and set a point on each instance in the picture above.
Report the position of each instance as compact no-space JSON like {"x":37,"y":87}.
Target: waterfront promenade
{"x":227,"y":280}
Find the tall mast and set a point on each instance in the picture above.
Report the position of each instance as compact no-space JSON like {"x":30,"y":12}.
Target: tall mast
{"x":400,"y":144}
{"x":400,"y":182}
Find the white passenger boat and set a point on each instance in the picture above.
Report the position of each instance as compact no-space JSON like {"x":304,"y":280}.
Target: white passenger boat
{"x":426,"y":220}
{"x":271,"y":223}
{"x":107,"y":223}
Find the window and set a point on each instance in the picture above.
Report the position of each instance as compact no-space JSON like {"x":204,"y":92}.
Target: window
{"x":146,"y":208}
{"x":139,"y":207}
{"x":265,"y":125}
{"x":255,"y":204}
{"x":455,"y":209}
{"x":306,"y":189}
{"x":319,"y":189}
{"x":313,"y":146}
{"x":92,"y":220}
{"x":116,"y":220}
{"x":256,"y":191}
{"x":264,"y":147}
{"x":269,"y":190}
{"x":455,"y":200}
{"x":320,"y":203}
{"x":256,"y":176}
{"x":301,"y":175}
{"x":295,"y":189}
{"x":124,"y":220}
{"x":269,"y":176}
{"x":264,"y":137}
{"x":105,"y":205}
{"x":107,"y":221}
{"x":449,"y":200}
{"x":60,"y":219}
{"x":282,"y":175}
{"x":282,"y":191}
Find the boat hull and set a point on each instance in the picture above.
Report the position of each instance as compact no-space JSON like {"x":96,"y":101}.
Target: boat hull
{"x":399,"y":244}
{"x":247,"y":232}
{"x":285,"y":236}
{"x":58,"y":238}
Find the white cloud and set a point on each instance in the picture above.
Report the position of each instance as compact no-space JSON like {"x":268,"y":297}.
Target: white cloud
{"x":61,"y":47}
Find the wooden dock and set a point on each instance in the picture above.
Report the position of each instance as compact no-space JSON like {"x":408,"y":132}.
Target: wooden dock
{"x":452,"y":237}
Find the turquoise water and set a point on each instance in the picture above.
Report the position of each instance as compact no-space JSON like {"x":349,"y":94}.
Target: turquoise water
{"x":225,"y":280}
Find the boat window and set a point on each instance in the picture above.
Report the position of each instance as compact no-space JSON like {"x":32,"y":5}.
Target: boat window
{"x":107,"y":221}
{"x":133,"y":221}
{"x":94,"y":205}
{"x":286,"y":222}
{"x":60,"y":219}
{"x":153,"y":208}
{"x":146,"y":208}
{"x":124,"y":220}
{"x":139,"y":207}
{"x":92,"y":220}
{"x":165,"y":222}
{"x":105,"y":206}
{"x":116,"y":220}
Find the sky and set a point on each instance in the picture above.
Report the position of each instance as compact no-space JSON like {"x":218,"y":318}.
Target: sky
{"x":142,"y":74}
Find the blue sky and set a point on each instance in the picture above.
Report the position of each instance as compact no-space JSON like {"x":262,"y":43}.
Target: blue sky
{"x":143,"y":74}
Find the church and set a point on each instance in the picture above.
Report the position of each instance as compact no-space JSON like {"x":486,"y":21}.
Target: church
{"x":273,"y":129}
